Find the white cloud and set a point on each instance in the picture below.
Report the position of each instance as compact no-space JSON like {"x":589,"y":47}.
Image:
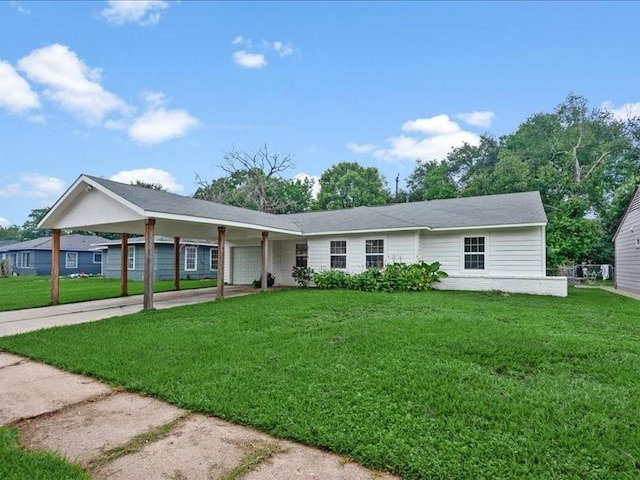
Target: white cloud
{"x":70,"y":83}
{"x":438,"y":125}
{"x":34,"y":185}
{"x":142,"y":12}
{"x":624,"y":112}
{"x":315,"y":189}
{"x":149,"y":175}
{"x":159,"y":125}
{"x":357,"y":148}
{"x":19,"y":7}
{"x":4,"y":222}
{"x":249,"y":60}
{"x":430,"y":148}
{"x":477,"y":119}
{"x":282,"y":49}
{"x":15,"y":92}
{"x":240,"y":40}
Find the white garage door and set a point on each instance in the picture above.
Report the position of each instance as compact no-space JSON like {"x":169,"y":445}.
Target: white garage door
{"x":246,"y":265}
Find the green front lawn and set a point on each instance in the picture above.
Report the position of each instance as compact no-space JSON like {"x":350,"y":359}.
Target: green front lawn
{"x":426,"y":385}
{"x":16,"y":464}
{"x":35,"y":291}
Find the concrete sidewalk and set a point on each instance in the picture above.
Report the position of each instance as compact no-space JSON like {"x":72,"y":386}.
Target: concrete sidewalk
{"x":21,"y":321}
{"x":118,"y":435}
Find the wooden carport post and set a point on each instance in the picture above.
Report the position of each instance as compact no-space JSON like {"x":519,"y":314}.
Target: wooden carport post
{"x":176,"y":263}
{"x":263,"y":275}
{"x":220,"y":277}
{"x":124,"y":264}
{"x":149,"y":238}
{"x":55,"y":266}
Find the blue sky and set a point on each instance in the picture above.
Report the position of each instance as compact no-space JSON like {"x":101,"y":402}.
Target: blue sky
{"x":158,"y":91}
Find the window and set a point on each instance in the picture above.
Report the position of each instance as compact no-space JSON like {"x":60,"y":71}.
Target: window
{"x":301,"y":254}
{"x":97,"y":258}
{"x":190,"y":258}
{"x":25,"y":260}
{"x":213,"y":258}
{"x":131,"y":257}
{"x":339,"y":254}
{"x":637,"y":242}
{"x":374,"y":250}
{"x":474,"y":253}
{"x":71,"y":260}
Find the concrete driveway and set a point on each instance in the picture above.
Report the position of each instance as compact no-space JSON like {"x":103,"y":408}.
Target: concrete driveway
{"x":21,"y":321}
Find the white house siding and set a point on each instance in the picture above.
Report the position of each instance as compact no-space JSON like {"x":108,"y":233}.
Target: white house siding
{"x":514,"y":261}
{"x":517,"y":252}
{"x":398,"y":247}
{"x":627,"y":251}
{"x":283,"y":258}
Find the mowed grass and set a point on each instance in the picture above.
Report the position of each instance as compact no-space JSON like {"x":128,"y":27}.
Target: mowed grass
{"x":16,"y":464}
{"x":425,"y":385}
{"x":35,"y":291}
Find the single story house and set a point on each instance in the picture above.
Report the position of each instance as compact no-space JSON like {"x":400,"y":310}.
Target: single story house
{"x":493,"y":242}
{"x":627,"y":247}
{"x":33,"y":257}
{"x":198,"y":258}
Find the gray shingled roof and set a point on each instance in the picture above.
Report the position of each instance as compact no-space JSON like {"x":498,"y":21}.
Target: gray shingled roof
{"x":164,"y":202}
{"x":74,"y":243}
{"x":492,"y":210}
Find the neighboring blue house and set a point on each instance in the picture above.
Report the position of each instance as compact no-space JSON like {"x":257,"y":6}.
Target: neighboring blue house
{"x":77,"y":255}
{"x":198,"y":258}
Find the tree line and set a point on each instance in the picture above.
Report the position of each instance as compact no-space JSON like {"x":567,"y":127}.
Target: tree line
{"x":584,"y":161}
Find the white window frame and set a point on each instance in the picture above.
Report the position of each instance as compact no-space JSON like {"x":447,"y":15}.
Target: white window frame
{"x":302,"y":256}
{"x":187,"y":249}
{"x":94,"y":257}
{"x":29,"y":263}
{"x":213,"y":265}
{"x":333,"y":255}
{"x":131,"y":257}
{"x":372,"y":250}
{"x":71,"y":265}
{"x":483,"y":253}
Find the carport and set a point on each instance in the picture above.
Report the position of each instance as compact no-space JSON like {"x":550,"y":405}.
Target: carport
{"x":99,"y":205}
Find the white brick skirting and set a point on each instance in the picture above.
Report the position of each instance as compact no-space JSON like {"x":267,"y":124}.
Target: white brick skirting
{"x":554,"y":286}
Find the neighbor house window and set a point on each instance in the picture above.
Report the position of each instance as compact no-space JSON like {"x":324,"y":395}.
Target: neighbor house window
{"x":71,"y":260}
{"x":131,"y":257}
{"x":474,"y":251}
{"x":374,"y":253}
{"x":339,"y":254}
{"x":301,"y":255}
{"x":190,"y":258}
{"x":97,"y":258}
{"x":25,"y":260}
{"x":213,"y":257}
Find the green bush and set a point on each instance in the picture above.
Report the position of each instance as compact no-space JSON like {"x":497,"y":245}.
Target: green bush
{"x":394,"y":277}
{"x":332,"y":279}
{"x":302,"y":275}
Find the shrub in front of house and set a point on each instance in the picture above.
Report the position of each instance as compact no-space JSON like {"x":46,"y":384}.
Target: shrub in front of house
{"x":302,"y":275}
{"x":394,"y":277}
{"x":271,"y":280}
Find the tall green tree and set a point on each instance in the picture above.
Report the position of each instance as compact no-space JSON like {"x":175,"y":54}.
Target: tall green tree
{"x":254,"y":180}
{"x":431,"y":180}
{"x":348,"y":184}
{"x":30,"y":229}
{"x":11,"y":232}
